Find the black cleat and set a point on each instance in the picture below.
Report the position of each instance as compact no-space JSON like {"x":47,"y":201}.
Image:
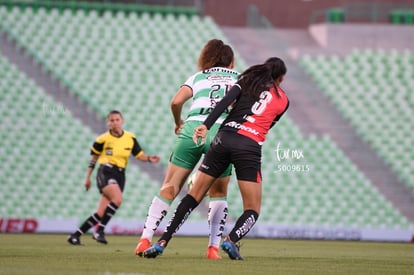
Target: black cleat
{"x":73,"y":239}
{"x":99,"y":236}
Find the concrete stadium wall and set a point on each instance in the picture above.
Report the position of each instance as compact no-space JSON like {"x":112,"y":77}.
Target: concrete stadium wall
{"x":281,"y":13}
{"x":342,"y":37}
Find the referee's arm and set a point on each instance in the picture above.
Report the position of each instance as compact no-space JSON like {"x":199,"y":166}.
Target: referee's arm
{"x":138,"y":153}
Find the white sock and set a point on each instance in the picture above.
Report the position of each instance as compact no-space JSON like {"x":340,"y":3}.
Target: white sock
{"x":156,"y":212}
{"x":217,"y":216}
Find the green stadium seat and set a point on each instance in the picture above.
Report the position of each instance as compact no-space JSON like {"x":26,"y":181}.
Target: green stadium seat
{"x":104,"y":77}
{"x":377,"y":70}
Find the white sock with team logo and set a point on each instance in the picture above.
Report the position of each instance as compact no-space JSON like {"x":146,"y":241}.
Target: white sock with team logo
{"x":217,"y":216}
{"x":156,"y":212}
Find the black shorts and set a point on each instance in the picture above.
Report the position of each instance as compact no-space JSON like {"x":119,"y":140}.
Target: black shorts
{"x":228,"y":147}
{"x":110,"y":174}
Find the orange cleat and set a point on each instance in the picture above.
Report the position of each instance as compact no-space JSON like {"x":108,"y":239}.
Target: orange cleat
{"x":213,"y":253}
{"x":142,"y":245}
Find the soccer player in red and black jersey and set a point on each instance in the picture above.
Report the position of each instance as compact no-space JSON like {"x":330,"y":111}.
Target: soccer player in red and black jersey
{"x":258,"y":103}
{"x":111,"y":150}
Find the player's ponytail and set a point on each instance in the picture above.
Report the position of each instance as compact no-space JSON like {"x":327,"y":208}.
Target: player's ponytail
{"x":277,"y":68}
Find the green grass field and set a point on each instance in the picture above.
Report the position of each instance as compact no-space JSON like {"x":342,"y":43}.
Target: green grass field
{"x":51,"y":254}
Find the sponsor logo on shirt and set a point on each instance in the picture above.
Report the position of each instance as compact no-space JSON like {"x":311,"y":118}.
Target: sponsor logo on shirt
{"x":219,"y":69}
{"x":239,"y":126}
{"x":220,"y":78}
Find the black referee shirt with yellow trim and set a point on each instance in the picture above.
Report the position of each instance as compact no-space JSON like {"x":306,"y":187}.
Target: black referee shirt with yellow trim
{"x":116,"y":150}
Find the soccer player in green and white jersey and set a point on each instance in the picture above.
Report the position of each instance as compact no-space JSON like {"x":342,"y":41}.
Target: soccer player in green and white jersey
{"x":206,"y":88}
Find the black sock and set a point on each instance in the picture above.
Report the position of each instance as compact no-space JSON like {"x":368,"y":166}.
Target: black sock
{"x":88,"y":223}
{"x":243,"y":225}
{"x":109,"y":212}
{"x":181,"y":213}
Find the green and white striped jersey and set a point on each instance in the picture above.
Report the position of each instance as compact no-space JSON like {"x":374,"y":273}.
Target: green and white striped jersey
{"x":209,"y":87}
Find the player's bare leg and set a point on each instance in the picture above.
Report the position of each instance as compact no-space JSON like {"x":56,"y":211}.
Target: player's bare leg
{"x":172,"y":185}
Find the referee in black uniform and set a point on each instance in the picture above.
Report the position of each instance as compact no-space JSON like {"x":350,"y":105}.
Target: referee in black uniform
{"x":111,"y":150}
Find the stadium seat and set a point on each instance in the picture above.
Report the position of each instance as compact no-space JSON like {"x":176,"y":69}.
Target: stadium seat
{"x":371,"y":71}
{"x":80,"y":50}
{"x":45,"y":168}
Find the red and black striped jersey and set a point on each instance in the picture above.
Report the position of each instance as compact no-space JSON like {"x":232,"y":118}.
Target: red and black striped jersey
{"x":252,"y":117}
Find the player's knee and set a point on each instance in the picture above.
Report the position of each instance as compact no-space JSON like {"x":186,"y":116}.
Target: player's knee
{"x":168,"y":192}
{"x":117,"y":201}
{"x":219,"y":188}
{"x":217,"y":193}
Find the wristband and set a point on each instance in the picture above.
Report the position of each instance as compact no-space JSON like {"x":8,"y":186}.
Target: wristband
{"x":92,"y":164}
{"x":148,"y":159}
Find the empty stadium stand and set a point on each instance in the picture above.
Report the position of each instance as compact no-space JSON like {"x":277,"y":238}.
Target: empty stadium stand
{"x":372,"y":88}
{"x":137,"y":55}
{"x":135,"y":62}
{"x":43,"y":148}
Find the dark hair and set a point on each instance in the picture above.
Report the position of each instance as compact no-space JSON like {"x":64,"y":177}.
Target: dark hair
{"x":260,"y":77}
{"x":215,"y":54}
{"x":114,"y":112}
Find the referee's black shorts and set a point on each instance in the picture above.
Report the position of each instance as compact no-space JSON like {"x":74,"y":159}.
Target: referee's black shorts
{"x":230,"y":147}
{"x":110,"y":174}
